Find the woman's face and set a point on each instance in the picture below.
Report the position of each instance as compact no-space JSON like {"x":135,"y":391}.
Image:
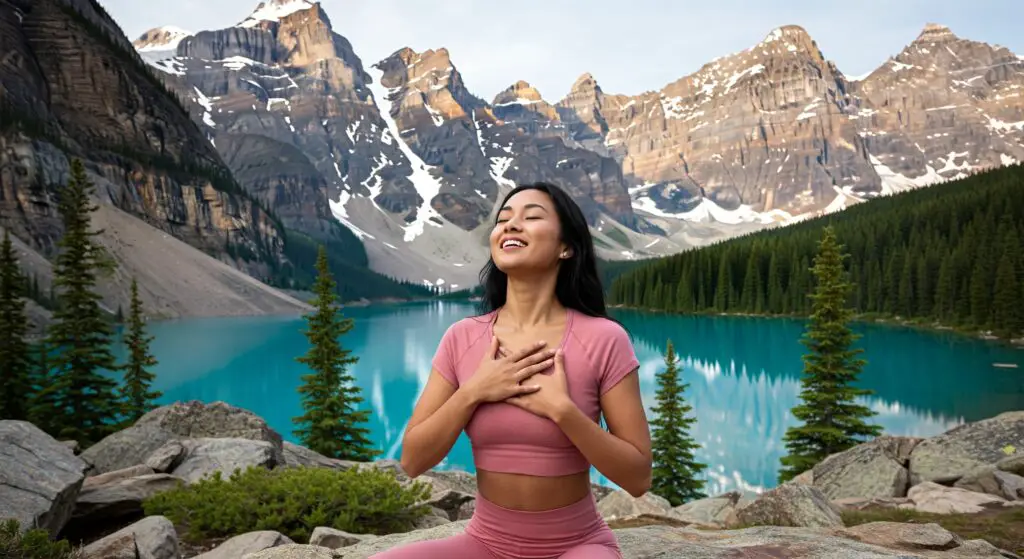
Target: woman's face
{"x":527,"y":234}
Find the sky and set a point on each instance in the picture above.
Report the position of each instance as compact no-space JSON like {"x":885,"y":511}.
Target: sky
{"x":628,"y":46}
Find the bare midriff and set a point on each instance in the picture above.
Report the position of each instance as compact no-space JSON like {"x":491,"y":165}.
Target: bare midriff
{"x":532,"y":493}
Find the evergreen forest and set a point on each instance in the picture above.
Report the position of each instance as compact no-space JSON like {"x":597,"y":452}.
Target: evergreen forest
{"x":949,"y":254}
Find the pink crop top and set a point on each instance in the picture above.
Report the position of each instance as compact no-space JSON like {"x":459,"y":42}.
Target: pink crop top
{"x":597,"y":355}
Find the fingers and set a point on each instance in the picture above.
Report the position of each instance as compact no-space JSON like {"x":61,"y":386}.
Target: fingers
{"x":528,"y":372}
{"x":527,"y":351}
{"x":526,"y":389}
{"x":495,"y":347}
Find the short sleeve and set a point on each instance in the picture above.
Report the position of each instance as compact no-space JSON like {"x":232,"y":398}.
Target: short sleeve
{"x":618,"y":357}
{"x":444,"y":357}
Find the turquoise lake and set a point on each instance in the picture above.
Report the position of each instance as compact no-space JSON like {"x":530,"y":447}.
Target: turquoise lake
{"x":743,"y":376}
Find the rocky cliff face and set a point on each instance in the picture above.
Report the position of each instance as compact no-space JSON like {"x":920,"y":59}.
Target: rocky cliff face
{"x":777,"y":132}
{"x":413,"y":163}
{"x":72,"y":87}
{"x":403,"y":154}
{"x":942,"y":108}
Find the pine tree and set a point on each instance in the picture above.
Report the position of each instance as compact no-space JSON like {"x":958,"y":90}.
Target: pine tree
{"x":137,"y":397}
{"x":330,"y":398}
{"x":80,"y":334}
{"x":676,"y":470}
{"x":832,"y":422}
{"x":15,"y":361}
{"x":44,"y":411}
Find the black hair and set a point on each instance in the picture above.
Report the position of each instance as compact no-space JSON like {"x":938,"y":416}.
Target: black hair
{"x":578,"y":286}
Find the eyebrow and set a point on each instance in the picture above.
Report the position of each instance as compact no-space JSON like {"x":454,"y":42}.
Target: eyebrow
{"x":526,"y":207}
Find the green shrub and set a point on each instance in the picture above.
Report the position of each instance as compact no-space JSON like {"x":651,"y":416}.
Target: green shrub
{"x":33,"y":544}
{"x":292,"y":501}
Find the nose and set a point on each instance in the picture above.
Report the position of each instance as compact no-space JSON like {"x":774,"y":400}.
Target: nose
{"x":512,"y":224}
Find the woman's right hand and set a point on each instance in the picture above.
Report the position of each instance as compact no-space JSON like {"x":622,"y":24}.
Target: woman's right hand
{"x":499,"y":376}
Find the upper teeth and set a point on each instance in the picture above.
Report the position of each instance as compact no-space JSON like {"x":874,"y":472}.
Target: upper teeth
{"x":514,"y":242}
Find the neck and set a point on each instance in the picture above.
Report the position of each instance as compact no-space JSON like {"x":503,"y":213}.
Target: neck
{"x":532,"y":302}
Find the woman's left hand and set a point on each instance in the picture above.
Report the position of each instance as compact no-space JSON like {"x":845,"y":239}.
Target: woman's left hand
{"x":553,"y":396}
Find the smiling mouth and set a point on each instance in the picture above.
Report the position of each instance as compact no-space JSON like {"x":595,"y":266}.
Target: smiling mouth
{"x":513,"y":244}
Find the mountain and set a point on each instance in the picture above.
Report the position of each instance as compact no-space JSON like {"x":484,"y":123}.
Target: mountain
{"x":777,"y":132}
{"x":71,"y":85}
{"x":412,"y":163}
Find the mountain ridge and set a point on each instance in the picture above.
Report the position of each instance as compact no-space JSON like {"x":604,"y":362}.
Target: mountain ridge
{"x":757,"y":138}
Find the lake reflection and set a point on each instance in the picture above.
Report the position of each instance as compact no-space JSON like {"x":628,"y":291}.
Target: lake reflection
{"x":743,"y":376}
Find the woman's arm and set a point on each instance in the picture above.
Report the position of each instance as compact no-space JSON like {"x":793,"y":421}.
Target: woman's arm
{"x":437,"y":420}
{"x":623,"y":453}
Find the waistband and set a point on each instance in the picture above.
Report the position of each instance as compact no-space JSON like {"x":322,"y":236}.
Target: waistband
{"x":578,"y":518}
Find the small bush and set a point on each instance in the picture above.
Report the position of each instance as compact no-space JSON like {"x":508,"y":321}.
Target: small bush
{"x":33,"y":544}
{"x":292,"y":501}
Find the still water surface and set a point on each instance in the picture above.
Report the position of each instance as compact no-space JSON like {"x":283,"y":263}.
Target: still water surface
{"x":743,"y":376}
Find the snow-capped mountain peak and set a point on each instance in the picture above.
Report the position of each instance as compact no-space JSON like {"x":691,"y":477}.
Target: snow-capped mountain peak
{"x":273,"y":10}
{"x":164,"y":38}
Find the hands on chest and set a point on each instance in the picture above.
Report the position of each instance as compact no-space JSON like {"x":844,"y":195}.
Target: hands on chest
{"x":512,"y":377}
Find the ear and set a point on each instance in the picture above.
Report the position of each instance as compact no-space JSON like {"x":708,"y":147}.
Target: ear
{"x":566,"y":253}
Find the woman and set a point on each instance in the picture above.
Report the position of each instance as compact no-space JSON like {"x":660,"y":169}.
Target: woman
{"x":528,"y":381}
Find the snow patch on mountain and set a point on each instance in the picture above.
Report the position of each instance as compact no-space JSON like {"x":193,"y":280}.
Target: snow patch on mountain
{"x":164,"y":38}
{"x":427,"y":185}
{"x":274,"y":10}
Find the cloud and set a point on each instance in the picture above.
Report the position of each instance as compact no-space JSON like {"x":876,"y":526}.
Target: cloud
{"x":630,"y":47}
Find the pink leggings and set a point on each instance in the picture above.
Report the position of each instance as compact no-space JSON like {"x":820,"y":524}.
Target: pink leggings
{"x":575,"y":531}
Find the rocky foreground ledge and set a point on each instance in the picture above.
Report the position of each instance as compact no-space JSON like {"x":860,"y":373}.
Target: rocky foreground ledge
{"x":96,"y":496}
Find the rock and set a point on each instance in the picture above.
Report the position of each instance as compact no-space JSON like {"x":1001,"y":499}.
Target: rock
{"x":659,"y":541}
{"x":243,"y":544}
{"x":73,"y":445}
{"x":993,"y":481}
{"x":329,"y":537}
{"x":295,"y":456}
{"x":167,"y":457}
{"x":152,"y":537}
{"x":39,"y":477}
{"x":854,"y":503}
{"x":294,"y":551}
{"x":710,"y":511}
{"x":790,"y":505}
{"x":435,"y":517}
{"x":939,"y":499}
{"x":911,"y":537}
{"x":206,"y":456}
{"x":120,"y":497}
{"x":622,"y":504}
{"x":117,"y":475}
{"x":873,"y":469}
{"x":947,"y":457}
{"x":466,"y":510}
{"x":448,"y":501}
{"x":1011,"y":485}
{"x":1013,"y":464}
{"x":180,"y":421}
{"x":806,"y":478}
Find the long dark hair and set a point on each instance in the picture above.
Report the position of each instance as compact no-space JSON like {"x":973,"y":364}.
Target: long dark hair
{"x":579,"y":285}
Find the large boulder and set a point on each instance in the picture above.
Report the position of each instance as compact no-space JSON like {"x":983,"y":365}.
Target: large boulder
{"x":713,"y":511}
{"x":994,"y":481}
{"x":243,"y":544}
{"x":620,"y":504}
{"x":39,"y":477}
{"x":948,"y":457}
{"x":178,"y":421}
{"x":939,"y":499}
{"x":875,"y":469}
{"x":912,"y":537}
{"x":300,"y":456}
{"x":152,"y":537}
{"x":205,"y":456}
{"x":110,"y":499}
{"x":790,"y":505}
